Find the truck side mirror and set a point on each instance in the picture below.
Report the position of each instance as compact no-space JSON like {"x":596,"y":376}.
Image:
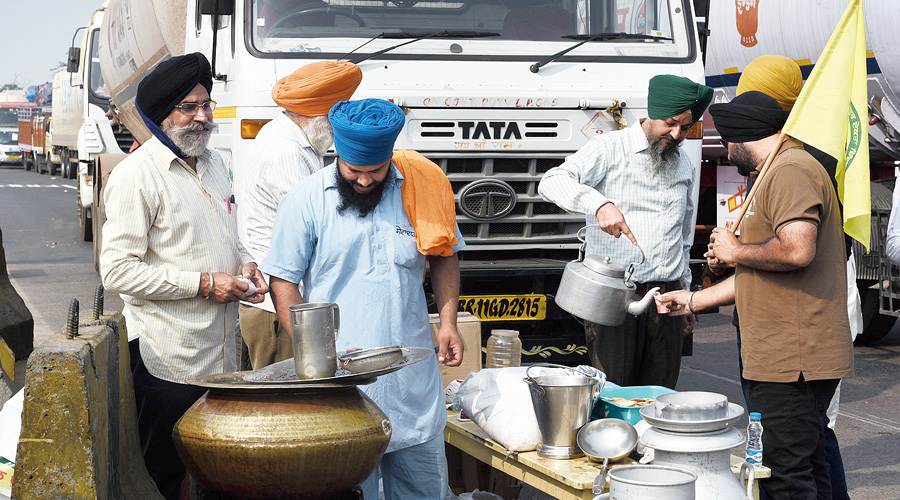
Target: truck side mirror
{"x":73,"y":60}
{"x":220,"y":7}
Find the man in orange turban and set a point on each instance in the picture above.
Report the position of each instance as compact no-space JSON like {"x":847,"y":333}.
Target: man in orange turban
{"x":286,"y":150}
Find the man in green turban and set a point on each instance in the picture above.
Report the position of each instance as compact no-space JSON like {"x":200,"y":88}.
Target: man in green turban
{"x":638,"y":182}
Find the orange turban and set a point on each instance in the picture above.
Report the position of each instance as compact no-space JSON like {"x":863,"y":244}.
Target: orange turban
{"x":313,"y":89}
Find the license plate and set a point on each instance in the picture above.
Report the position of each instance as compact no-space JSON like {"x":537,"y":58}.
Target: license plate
{"x":505,"y":307}
{"x":14,"y":157}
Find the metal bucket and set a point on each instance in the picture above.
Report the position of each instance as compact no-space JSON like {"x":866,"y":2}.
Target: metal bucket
{"x":562,"y":399}
{"x":640,"y":482}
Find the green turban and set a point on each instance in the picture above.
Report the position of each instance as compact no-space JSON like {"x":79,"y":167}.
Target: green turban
{"x":671,"y":95}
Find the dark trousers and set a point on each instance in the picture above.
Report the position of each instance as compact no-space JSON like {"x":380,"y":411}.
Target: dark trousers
{"x":159,"y":406}
{"x":793,"y":419}
{"x":645,"y":350}
{"x":832,"y":449}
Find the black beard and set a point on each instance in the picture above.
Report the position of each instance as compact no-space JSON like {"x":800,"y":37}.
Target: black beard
{"x":742,"y":159}
{"x":362,"y":204}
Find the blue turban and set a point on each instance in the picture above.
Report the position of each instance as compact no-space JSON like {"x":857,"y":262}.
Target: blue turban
{"x":365,"y":131}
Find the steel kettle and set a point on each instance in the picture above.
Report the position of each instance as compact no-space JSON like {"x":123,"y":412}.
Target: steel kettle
{"x":600,"y":290}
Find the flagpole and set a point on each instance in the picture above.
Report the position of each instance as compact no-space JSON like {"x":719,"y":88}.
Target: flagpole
{"x":746,"y":203}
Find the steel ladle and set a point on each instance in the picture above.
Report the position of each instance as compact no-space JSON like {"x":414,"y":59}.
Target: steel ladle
{"x":604,"y":440}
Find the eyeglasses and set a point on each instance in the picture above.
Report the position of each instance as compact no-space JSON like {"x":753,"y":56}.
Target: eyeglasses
{"x":191,"y":108}
{"x":724,"y":143}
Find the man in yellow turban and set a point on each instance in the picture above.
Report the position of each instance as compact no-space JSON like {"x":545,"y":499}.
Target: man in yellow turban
{"x":286,"y":150}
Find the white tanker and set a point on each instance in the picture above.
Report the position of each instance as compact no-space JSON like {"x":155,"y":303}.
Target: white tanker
{"x":744,"y":29}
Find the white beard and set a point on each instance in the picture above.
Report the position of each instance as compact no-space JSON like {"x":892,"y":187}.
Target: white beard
{"x":319,"y":133}
{"x":192,"y":145}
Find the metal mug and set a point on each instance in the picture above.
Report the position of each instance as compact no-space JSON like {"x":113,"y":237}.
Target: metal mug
{"x":314,"y":329}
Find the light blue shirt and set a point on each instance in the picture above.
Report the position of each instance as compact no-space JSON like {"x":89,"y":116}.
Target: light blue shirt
{"x":372,"y":269}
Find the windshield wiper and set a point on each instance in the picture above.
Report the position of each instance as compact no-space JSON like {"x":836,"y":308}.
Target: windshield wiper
{"x":592,"y":38}
{"x":417,"y":36}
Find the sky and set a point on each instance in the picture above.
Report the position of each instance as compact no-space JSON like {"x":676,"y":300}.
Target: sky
{"x":37,"y":35}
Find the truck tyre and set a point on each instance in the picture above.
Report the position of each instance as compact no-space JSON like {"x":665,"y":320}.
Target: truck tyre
{"x":875,"y":324}
{"x":85,"y":225}
{"x":64,"y":162}
{"x":52,"y":167}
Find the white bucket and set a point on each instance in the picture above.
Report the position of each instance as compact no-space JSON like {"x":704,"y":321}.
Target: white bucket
{"x":649,"y":482}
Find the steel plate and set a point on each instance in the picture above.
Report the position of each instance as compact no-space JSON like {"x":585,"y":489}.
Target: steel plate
{"x":735,"y":412}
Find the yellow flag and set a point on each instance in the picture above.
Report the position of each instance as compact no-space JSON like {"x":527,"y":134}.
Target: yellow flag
{"x":831,"y":114}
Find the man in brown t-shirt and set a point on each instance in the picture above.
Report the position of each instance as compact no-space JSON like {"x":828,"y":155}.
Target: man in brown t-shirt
{"x":790,"y":291}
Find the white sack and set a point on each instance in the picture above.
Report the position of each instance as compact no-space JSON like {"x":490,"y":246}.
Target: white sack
{"x":498,"y":400}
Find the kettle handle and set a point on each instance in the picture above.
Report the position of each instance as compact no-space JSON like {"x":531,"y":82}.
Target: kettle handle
{"x":582,"y":237}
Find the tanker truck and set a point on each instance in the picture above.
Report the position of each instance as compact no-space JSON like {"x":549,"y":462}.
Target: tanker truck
{"x":84,"y":125}
{"x":743,"y":30}
{"x":495,"y":92}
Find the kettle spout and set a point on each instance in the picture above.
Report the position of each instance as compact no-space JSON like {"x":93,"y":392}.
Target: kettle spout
{"x":640,"y":307}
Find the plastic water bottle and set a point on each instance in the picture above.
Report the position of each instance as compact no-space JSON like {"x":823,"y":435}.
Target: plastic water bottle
{"x":754,"y":440}
{"x":504,"y":349}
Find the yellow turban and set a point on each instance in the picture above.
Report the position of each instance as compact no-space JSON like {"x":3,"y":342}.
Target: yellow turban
{"x":313,"y":89}
{"x":778,"y":77}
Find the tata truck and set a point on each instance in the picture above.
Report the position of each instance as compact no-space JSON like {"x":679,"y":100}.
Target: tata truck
{"x":743,"y":30}
{"x":85,"y":125}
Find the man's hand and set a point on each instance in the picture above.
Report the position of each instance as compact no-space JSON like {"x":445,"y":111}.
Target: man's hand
{"x":450,"y":346}
{"x":252,"y":273}
{"x":227,"y":288}
{"x":612,"y":221}
{"x":722,"y":246}
{"x":689,"y":321}
{"x":677,"y":302}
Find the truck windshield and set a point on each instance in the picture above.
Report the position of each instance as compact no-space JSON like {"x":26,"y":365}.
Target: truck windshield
{"x":513,"y":29}
{"x":9,"y":117}
{"x":98,"y":87}
{"x":9,"y":138}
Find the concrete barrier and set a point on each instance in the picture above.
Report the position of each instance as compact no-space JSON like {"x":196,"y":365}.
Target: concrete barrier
{"x":79,"y":423}
{"x":16,"y":322}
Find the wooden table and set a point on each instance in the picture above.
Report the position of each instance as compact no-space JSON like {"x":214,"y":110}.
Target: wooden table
{"x":564,"y":479}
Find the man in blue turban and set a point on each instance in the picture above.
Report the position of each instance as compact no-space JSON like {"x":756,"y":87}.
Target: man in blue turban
{"x":638,"y":182}
{"x":346,"y":234}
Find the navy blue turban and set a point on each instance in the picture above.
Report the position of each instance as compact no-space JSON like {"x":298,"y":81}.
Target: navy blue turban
{"x":170,"y":82}
{"x":365,"y":131}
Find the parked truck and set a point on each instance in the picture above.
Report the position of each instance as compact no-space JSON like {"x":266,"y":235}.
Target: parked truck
{"x":743,"y":30}
{"x":490,"y":96}
{"x":9,"y":133}
{"x":84,"y":123}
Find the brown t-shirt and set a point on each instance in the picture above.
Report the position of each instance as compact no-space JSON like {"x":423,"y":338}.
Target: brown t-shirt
{"x":795,"y":322}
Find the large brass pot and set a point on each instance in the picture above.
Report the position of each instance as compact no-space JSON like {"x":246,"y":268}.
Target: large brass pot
{"x":288,"y":444}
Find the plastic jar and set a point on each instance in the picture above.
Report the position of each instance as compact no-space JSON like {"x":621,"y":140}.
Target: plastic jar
{"x":504,"y":349}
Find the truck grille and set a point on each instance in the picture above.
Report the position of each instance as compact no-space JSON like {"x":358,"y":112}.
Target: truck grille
{"x":532,"y":220}
{"x":124,"y":139}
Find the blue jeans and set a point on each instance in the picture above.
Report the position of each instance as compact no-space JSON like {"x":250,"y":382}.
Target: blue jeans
{"x":415,"y":473}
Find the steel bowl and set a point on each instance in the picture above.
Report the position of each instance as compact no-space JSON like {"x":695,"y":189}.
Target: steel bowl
{"x":607,"y":438}
{"x":366,"y":360}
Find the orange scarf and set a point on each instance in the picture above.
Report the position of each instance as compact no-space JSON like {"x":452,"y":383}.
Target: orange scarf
{"x":428,"y":201}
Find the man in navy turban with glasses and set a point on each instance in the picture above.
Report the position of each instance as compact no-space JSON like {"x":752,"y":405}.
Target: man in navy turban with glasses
{"x":346,"y":232}
{"x":170,"y":248}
